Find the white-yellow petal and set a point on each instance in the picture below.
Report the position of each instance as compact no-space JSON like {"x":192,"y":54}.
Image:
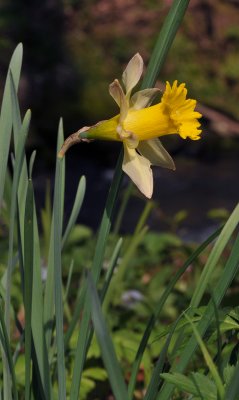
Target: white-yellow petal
{"x":132,"y":73}
{"x":154,"y":151}
{"x":116,"y":91}
{"x":138,"y":169}
{"x":143,"y":98}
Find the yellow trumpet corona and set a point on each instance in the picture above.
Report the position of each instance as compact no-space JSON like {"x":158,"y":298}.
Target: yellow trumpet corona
{"x":138,"y":125}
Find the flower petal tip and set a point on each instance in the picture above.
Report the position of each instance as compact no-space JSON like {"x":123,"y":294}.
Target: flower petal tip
{"x":132,"y":73}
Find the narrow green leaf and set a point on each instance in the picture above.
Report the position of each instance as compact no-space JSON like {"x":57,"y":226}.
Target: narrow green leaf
{"x":57,"y":230}
{"x":7,"y":351}
{"x":107,"y":349}
{"x":69,"y":276}
{"x":76,"y":208}
{"x":81,"y":349}
{"x":119,"y":277}
{"x":28,"y":279}
{"x":5,"y":211}
{"x":31,"y":163}
{"x":17,"y":169}
{"x":110,"y":271}
{"x":219,"y":340}
{"x":164,"y":42}
{"x":40,"y":359}
{"x":16,"y":175}
{"x":79,"y":303}
{"x":40,"y":353}
{"x":6,"y":114}
{"x":50,"y":281}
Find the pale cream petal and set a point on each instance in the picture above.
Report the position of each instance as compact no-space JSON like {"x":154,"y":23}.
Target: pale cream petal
{"x":144,"y":98}
{"x":116,"y":91}
{"x":133,"y":72}
{"x":138,"y":169}
{"x":154,"y":151}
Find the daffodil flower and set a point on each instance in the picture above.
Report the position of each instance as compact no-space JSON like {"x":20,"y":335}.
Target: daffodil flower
{"x":138,"y":125}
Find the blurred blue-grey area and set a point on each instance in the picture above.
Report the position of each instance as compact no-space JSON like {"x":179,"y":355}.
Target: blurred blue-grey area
{"x":73,"y":49}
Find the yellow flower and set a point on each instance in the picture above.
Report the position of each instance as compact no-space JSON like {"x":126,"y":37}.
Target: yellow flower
{"x":138,"y":125}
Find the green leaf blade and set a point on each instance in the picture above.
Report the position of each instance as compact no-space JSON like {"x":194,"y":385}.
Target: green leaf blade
{"x":107,"y":349}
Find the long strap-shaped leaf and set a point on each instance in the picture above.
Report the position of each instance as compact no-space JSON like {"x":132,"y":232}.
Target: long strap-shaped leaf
{"x":164,"y":41}
{"x":7,"y":350}
{"x":28,"y":279}
{"x":80,"y":193}
{"x":40,"y":359}
{"x":50,"y":282}
{"x":6,"y":114}
{"x":57,"y":232}
{"x":106,"y":345}
{"x":17,"y":169}
{"x":5,"y":137}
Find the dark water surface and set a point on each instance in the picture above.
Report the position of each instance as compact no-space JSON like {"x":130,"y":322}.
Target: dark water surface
{"x":196,"y":186}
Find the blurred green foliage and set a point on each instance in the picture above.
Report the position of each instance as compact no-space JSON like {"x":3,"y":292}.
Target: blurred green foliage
{"x":154,"y":261}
